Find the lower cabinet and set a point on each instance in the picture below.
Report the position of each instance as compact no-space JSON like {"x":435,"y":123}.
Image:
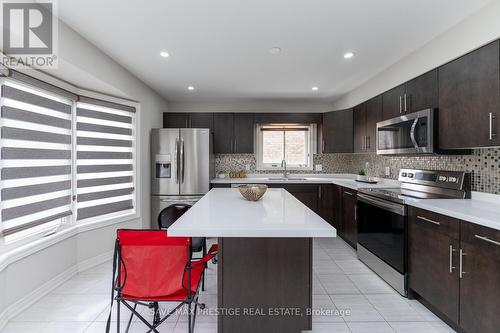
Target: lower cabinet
{"x":455,"y":267}
{"x":349,"y":231}
{"x":433,"y":246}
{"x":326,"y":202}
{"x":308,"y":194}
{"x":337,"y":208}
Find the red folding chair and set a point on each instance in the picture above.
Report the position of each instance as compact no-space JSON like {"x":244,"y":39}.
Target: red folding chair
{"x":150,"y":267}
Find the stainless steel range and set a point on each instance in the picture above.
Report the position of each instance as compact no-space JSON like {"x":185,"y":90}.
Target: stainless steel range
{"x":382,"y":222}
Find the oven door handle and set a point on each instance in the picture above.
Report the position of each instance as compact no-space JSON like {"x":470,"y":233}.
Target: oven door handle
{"x":383,"y":204}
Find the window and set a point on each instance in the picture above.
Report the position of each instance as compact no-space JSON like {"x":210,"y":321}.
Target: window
{"x":62,"y":160}
{"x":294,"y":143}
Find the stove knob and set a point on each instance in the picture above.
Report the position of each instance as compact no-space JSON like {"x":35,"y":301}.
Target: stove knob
{"x":410,"y":175}
{"x":443,"y":178}
{"x":452,"y":179}
{"x":403,"y":174}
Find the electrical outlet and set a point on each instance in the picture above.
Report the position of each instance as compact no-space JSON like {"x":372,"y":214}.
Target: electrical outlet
{"x":387,"y":171}
{"x":247,"y":167}
{"x":319,"y":167}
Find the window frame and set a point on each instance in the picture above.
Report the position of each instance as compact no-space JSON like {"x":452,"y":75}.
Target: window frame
{"x":69,"y":222}
{"x":311,"y":142}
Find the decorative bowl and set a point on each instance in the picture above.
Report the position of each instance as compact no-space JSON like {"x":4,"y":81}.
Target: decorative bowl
{"x":252,"y":192}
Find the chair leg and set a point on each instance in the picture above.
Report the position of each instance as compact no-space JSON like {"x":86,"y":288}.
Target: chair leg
{"x":130,"y":319}
{"x":118,"y":316}
{"x":190,"y":328}
{"x":203,"y":276}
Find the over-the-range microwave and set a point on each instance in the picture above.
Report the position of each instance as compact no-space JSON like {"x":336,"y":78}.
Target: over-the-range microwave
{"x":413,"y":133}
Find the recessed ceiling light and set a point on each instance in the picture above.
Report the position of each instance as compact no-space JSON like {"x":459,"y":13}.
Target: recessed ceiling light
{"x":190,"y":88}
{"x":315,"y":88}
{"x":274,"y":50}
{"x":348,"y":55}
{"x":165,"y":54}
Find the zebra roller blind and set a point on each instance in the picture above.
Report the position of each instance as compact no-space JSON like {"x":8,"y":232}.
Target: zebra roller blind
{"x":105,"y":168}
{"x":36,"y":157}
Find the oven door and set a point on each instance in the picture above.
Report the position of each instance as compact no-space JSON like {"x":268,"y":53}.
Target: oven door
{"x":408,"y":134}
{"x":382,"y":230}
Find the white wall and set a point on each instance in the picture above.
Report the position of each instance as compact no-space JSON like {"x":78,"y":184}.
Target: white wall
{"x":475,"y":31}
{"x":83,"y":65}
{"x":252,"y":106}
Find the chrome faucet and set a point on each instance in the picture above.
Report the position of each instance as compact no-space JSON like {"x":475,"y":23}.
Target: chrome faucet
{"x":283,"y":165}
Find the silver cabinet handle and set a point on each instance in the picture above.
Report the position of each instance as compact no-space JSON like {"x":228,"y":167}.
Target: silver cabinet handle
{"x":427,"y":220}
{"x":319,"y":192}
{"x":492,"y":118}
{"x":349,"y":193}
{"x":400,"y":104}
{"x":462,"y":254}
{"x":356,"y":213}
{"x":486,"y":239}
{"x":406,"y":106}
{"x":451,"y":258}
{"x":368,"y":140}
{"x":323,"y":146}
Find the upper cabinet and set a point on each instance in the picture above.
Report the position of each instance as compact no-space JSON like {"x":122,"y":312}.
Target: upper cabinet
{"x":313,"y":118}
{"x":415,"y":95}
{"x":366,"y":116}
{"x":223,"y":133}
{"x":201,"y":120}
{"x":243,"y":132}
{"x":469,"y":103}
{"x":175,"y":120}
{"x":338,"y":131}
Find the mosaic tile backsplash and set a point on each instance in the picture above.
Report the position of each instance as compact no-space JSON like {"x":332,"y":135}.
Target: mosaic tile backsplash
{"x":483,"y":163}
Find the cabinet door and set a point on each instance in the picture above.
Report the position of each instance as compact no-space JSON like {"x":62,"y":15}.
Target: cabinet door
{"x":392,"y":102}
{"x":422,"y":92}
{"x":479,"y":295}
{"x":307,"y":194}
{"x":175,"y":120}
{"x":223,"y":133}
{"x":373,"y":116}
{"x":359,"y":119}
{"x":349,"y":215}
{"x":201,"y":120}
{"x":433,"y":260}
{"x":337,"y":208}
{"x":325,"y":202}
{"x":243,"y":132}
{"x":338,"y":132}
{"x":468,"y":94}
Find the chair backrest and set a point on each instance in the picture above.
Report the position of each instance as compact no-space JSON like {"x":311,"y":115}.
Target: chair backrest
{"x":152,"y":264}
{"x":170,"y":214}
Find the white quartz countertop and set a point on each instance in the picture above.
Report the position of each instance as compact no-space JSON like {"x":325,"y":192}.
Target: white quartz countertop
{"x":345,"y":180}
{"x":223,"y":212}
{"x":483,"y":209}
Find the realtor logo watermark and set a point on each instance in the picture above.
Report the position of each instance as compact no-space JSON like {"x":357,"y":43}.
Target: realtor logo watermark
{"x":29,"y":37}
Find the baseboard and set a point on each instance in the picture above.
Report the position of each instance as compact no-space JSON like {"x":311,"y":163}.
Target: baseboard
{"x":94,"y":261}
{"x":28,"y":300}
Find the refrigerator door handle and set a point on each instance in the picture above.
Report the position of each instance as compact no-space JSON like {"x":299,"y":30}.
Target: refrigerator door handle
{"x":176,"y":153}
{"x":182,"y":161}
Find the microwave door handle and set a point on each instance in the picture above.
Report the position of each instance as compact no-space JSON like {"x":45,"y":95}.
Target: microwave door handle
{"x":412,"y":133}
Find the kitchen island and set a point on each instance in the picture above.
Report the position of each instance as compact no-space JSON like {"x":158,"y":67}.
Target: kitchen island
{"x":265,"y":257}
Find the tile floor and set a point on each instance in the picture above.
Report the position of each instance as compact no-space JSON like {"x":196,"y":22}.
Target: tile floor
{"x":341,"y":284}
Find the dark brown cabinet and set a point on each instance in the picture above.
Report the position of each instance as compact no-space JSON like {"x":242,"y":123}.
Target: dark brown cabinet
{"x":479,"y":296}
{"x":359,"y":131}
{"x":366,"y":116}
{"x":223,"y":133}
{"x":338,"y":131}
{"x":433,"y":245}
{"x":337,"y":208}
{"x":469,"y":103}
{"x":325,"y":202}
{"x":308,"y":194}
{"x":175,"y":120}
{"x":313,"y":118}
{"x":415,"y":95}
{"x":349,"y":217}
{"x":455,"y":267}
{"x":201,"y":120}
{"x":243,"y":133}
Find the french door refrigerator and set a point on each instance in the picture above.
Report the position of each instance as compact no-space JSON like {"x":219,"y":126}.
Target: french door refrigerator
{"x":182,"y":162}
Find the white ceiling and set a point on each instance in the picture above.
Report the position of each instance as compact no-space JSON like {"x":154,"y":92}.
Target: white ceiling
{"x":221,"y":46}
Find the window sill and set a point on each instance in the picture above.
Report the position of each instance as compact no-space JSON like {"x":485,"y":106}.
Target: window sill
{"x":10,"y":253}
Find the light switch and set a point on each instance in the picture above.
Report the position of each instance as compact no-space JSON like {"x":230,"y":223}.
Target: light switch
{"x":387,"y":171}
{"x":319,"y":167}
{"x":247,"y":167}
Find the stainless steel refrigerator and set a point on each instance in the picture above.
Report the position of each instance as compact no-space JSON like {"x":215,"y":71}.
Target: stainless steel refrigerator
{"x":181,"y":169}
